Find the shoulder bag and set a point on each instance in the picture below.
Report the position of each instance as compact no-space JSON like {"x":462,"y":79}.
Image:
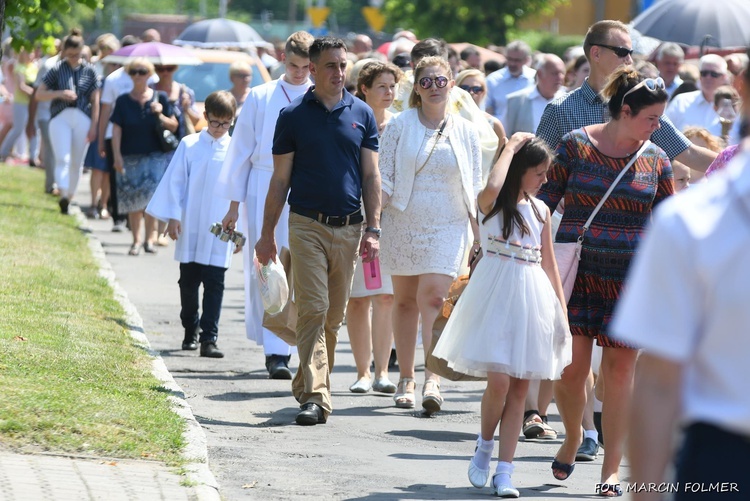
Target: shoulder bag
{"x":167,"y":140}
{"x":568,"y":254}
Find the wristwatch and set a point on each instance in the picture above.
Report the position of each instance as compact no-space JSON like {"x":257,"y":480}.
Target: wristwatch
{"x":373,"y":230}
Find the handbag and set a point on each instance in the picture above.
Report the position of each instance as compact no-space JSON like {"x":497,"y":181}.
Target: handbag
{"x":167,"y":140}
{"x":568,"y":254}
{"x":438,"y":365}
{"x":284,"y":324}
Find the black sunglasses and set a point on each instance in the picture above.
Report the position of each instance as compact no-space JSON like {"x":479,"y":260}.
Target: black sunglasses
{"x":440,"y":82}
{"x":712,"y":74}
{"x":474,"y":89}
{"x":619,"y":51}
{"x":138,"y":71}
{"x":170,"y":69}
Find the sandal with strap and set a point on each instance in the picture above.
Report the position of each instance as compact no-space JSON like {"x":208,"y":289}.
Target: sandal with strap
{"x":404,"y":396}
{"x":135,"y":249}
{"x":431,"y":399}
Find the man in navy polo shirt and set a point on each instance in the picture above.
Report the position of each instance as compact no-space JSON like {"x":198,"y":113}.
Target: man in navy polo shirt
{"x":324,"y":149}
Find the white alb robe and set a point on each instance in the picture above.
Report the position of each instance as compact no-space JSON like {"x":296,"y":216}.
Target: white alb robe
{"x":186,"y":193}
{"x":245,"y":177}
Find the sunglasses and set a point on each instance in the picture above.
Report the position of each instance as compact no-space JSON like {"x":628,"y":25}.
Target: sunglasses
{"x":712,"y":74}
{"x":216,"y":124}
{"x":242,"y":75}
{"x":162,"y":69}
{"x":652,"y":84}
{"x":620,"y":52}
{"x":440,"y":82}
{"x":138,"y":71}
{"x":473,"y":89}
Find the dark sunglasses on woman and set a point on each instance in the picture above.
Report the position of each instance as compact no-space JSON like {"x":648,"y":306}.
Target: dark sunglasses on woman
{"x":138,"y":71}
{"x":440,"y":82}
{"x":473,"y":89}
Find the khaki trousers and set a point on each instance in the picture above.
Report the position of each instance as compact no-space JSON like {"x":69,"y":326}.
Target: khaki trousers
{"x":323,"y":260}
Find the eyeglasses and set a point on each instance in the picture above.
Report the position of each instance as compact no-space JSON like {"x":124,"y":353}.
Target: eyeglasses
{"x":138,"y":71}
{"x":162,"y":69}
{"x":440,"y":82}
{"x":712,"y":74}
{"x":216,"y":124}
{"x":620,"y":52}
{"x":242,"y":75}
{"x":473,"y":89}
{"x":652,"y":84}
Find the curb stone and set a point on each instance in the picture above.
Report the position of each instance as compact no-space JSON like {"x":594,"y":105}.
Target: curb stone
{"x":196,"y":449}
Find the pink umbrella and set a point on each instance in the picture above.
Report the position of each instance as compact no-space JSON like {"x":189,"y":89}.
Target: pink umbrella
{"x":155,"y":52}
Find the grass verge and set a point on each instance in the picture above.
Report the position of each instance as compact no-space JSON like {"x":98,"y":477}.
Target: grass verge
{"x":72,"y":378}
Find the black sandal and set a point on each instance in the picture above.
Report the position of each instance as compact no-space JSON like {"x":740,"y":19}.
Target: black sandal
{"x":149,"y":248}
{"x":135,"y":250}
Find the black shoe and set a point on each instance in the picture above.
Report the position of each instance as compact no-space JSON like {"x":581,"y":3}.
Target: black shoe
{"x":310,"y":415}
{"x":210,"y":350}
{"x":588,"y":450}
{"x":63,"y":203}
{"x":190,"y":341}
{"x":277,"y":367}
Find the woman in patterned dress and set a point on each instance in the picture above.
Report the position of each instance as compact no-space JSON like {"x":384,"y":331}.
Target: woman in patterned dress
{"x":588,"y":161}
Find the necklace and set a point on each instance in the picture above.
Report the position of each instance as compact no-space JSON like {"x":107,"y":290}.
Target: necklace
{"x":430,"y":123}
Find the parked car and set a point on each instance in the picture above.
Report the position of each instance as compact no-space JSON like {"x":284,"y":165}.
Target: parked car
{"x":213,"y":74}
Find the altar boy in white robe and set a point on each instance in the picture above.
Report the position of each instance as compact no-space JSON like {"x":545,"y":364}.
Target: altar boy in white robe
{"x":245,"y":178}
{"x":185,"y":200}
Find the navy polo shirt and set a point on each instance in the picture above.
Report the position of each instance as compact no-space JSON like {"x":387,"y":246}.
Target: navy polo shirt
{"x":326,"y":174}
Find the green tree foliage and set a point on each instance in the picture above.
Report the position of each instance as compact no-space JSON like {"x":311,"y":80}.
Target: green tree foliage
{"x":37,"y":21}
{"x":481,"y":22}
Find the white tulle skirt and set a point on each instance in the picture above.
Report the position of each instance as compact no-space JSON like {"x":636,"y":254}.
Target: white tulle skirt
{"x":507,"y":320}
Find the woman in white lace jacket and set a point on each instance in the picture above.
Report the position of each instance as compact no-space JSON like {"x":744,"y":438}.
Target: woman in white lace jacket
{"x":431,"y":169}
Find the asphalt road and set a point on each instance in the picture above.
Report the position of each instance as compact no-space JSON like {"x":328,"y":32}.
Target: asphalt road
{"x":367,"y":450}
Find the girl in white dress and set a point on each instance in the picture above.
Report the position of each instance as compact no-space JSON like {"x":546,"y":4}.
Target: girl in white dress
{"x":510,"y":323}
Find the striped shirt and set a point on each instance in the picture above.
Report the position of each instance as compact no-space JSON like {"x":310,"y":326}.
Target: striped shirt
{"x":83,"y":80}
{"x":584,"y":107}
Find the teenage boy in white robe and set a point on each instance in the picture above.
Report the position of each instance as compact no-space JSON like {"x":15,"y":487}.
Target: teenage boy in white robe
{"x":185,"y":200}
{"x":246,"y":175}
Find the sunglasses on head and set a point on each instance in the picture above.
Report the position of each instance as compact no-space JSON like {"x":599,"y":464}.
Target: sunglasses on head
{"x":712,"y":74}
{"x":472,"y":89}
{"x":162,"y":69}
{"x":652,"y":84}
{"x":138,"y":71}
{"x":620,"y":52}
{"x":440,"y":82}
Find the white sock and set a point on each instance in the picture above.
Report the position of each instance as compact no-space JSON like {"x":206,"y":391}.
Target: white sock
{"x":591,"y":434}
{"x":502,"y":474}
{"x":483,"y":454}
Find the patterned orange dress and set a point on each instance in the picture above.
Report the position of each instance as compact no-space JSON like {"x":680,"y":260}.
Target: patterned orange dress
{"x":582,"y":174}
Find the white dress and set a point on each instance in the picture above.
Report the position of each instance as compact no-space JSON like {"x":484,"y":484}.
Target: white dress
{"x":430,"y":235}
{"x":508,"y":318}
{"x":245,"y":177}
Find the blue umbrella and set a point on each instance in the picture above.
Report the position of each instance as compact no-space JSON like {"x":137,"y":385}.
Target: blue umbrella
{"x":690,"y":22}
{"x":219,"y":33}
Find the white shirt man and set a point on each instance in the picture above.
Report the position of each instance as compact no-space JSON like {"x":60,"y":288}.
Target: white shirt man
{"x":245,"y":177}
{"x":525,"y":107}
{"x":685,"y":306}
{"x":669,"y":58}
{"x":697,"y":107}
{"x":515,"y":76}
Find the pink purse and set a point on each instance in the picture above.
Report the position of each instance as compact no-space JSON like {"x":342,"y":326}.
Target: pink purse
{"x":568,"y":254}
